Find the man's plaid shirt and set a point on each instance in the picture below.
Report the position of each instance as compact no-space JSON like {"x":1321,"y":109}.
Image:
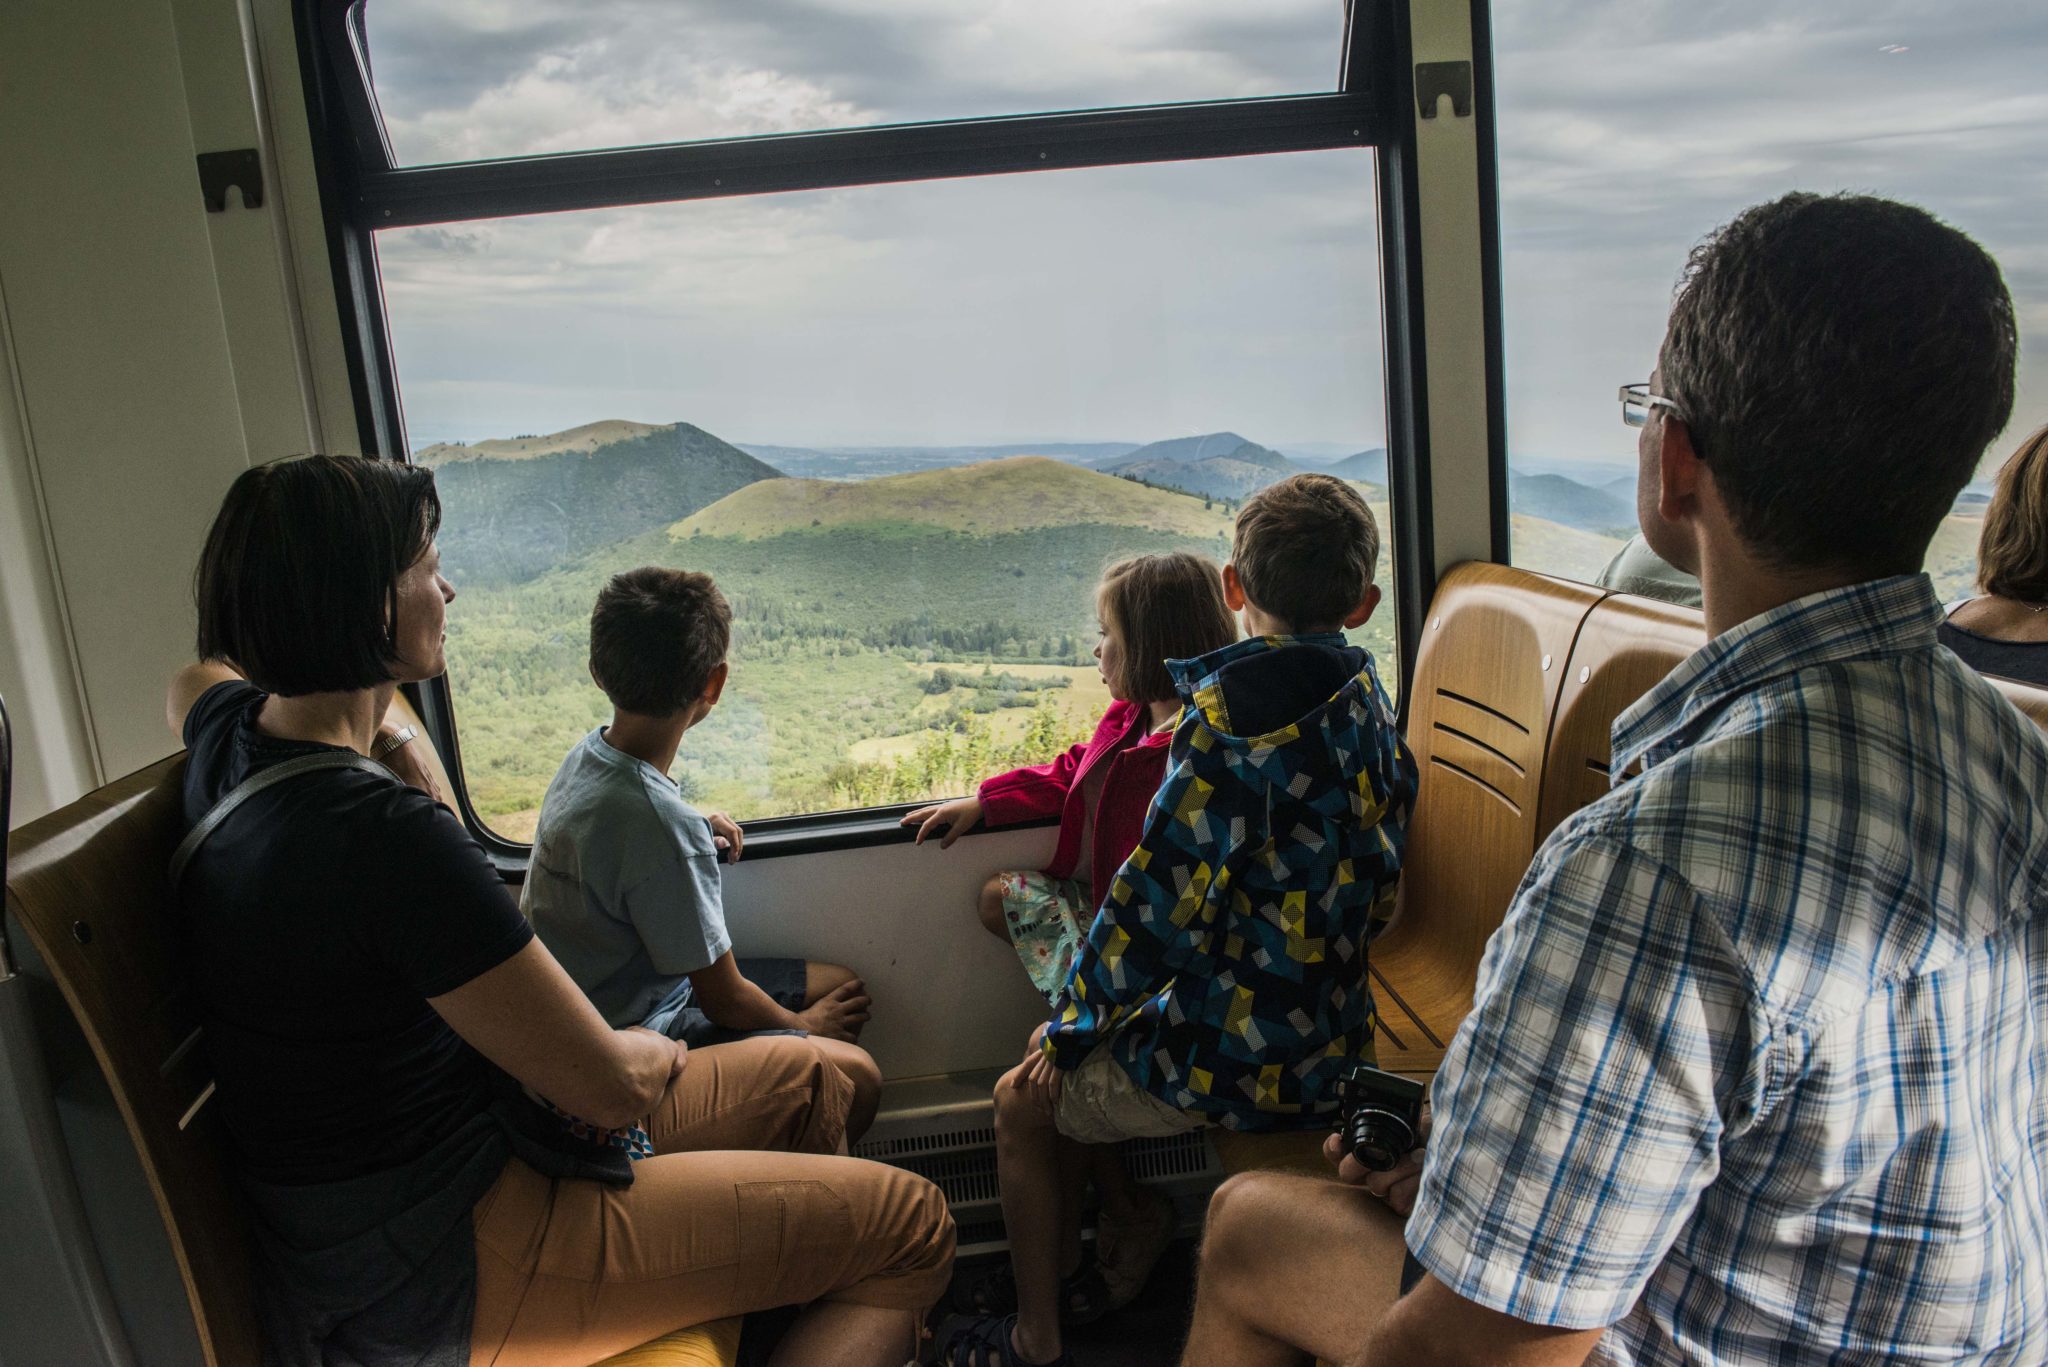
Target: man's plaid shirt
{"x":1758,"y":1069}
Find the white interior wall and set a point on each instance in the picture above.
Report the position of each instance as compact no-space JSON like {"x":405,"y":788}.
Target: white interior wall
{"x":151,"y":350}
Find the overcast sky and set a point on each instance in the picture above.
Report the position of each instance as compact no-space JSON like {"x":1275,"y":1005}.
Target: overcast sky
{"x":1139,"y":303}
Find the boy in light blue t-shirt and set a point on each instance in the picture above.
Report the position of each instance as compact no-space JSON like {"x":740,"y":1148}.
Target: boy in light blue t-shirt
{"x":624,"y":884}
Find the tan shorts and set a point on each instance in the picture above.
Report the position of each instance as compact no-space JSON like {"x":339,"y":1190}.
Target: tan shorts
{"x":1099,"y":1104}
{"x":711,"y":1226}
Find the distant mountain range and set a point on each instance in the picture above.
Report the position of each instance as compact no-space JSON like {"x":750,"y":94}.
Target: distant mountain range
{"x":1556,"y":498}
{"x":1220,"y":465}
{"x":517,"y":506}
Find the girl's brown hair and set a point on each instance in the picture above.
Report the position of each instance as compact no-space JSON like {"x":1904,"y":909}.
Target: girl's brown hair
{"x":1167,"y":606}
{"x":2012,"y":554}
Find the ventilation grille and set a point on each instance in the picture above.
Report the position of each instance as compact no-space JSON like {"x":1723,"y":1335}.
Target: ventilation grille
{"x":962,"y":1163}
{"x":965,"y":1178}
{"x":903,"y":1146}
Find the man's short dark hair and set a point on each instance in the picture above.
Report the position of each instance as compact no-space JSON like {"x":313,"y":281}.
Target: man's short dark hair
{"x":656,"y":635}
{"x":1305,"y":550}
{"x":1841,"y":362}
{"x":298,"y":584}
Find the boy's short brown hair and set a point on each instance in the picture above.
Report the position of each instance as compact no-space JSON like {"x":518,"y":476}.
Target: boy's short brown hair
{"x":1305,"y":550}
{"x":2012,"y":553}
{"x":656,"y":635}
{"x":1167,"y":606}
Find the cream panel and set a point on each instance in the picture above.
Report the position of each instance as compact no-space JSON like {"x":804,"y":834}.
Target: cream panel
{"x":250,"y":246}
{"x":1447,"y":171}
{"x":948,"y":996}
{"x":53,"y":759}
{"x":122,"y":362}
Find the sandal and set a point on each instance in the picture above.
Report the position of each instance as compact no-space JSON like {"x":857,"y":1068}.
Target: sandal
{"x":985,"y":1342}
{"x":1084,"y":1297}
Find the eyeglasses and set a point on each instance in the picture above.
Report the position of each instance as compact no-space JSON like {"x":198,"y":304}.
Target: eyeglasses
{"x":1637,"y":401}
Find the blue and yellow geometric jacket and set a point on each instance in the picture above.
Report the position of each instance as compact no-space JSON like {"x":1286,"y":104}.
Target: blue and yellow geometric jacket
{"x":1226,"y":968}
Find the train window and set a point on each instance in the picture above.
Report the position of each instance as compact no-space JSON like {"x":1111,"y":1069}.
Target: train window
{"x":462,"y":81}
{"x":1626,"y":134}
{"x":903,"y":426}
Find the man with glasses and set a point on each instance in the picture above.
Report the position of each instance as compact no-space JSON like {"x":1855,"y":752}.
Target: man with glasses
{"x":1756,"y":1069}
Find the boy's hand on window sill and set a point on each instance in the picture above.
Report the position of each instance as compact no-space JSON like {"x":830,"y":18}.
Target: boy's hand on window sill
{"x":958,"y":817}
{"x":727,"y":836}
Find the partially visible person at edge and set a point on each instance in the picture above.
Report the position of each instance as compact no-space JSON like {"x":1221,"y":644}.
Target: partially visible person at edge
{"x":1755,"y":1071}
{"x":1637,"y":569}
{"x":2004,"y":630}
{"x":1223,"y":981}
{"x":375,"y":1005}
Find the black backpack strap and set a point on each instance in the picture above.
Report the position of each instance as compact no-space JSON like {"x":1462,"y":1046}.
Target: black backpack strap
{"x":256,"y":783}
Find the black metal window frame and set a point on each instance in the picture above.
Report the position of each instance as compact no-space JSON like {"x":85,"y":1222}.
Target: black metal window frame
{"x":363,"y":190}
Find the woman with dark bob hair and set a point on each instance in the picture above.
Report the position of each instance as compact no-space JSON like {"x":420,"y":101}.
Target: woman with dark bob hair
{"x":2004,"y":630}
{"x":383,"y":1023}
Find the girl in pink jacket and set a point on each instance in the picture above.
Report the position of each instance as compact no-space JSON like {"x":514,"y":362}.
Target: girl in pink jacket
{"x":1151,"y":608}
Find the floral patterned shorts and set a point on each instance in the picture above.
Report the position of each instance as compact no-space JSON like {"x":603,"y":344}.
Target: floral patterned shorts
{"x":1048,"y":918}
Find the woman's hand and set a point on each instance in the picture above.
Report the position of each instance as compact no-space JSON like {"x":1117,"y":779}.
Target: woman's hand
{"x":410,"y":765}
{"x":1397,"y":1186}
{"x":726,"y":835}
{"x":959,"y":816}
{"x":840,"y":1013}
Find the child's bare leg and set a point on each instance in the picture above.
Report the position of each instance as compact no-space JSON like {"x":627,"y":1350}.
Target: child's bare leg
{"x":1027,"y":1167}
{"x":865,"y":1075}
{"x":989,"y":906}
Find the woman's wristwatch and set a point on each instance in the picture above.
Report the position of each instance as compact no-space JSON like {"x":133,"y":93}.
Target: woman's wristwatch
{"x":385,"y":745}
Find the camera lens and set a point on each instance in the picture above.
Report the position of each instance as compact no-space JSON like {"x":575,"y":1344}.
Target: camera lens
{"x":1379,"y":1140}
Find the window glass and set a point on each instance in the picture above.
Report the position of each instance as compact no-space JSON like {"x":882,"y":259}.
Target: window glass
{"x":462,"y":80}
{"x":904,"y":427}
{"x":1629,"y":130}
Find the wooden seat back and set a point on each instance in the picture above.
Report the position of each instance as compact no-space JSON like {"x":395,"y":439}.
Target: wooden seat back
{"x":1480,"y":703}
{"x":1625,"y":647}
{"x":87,"y":884}
{"x":1513,"y":702}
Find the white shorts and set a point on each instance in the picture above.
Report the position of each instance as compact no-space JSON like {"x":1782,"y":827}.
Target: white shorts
{"x":1100,"y":1104}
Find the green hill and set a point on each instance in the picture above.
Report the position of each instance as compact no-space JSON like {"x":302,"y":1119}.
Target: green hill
{"x":995,"y":498}
{"x":504,"y":520}
{"x":587,"y":437}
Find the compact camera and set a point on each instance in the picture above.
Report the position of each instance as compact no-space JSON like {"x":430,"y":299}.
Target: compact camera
{"x":1381,"y":1116}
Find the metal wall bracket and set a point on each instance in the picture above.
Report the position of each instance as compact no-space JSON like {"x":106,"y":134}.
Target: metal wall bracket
{"x":240,"y":169}
{"x":1433,"y":79}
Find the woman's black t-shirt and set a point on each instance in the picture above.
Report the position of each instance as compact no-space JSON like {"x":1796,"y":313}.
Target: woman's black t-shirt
{"x":2026,"y":661}
{"x":319,"y":918}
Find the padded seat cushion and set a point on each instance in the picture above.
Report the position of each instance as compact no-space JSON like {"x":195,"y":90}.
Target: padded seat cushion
{"x":716,"y":1344}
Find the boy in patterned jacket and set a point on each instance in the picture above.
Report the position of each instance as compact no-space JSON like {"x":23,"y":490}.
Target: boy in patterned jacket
{"x":1223,"y":981}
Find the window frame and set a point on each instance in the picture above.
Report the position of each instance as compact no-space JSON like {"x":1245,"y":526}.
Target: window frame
{"x":362,"y":191}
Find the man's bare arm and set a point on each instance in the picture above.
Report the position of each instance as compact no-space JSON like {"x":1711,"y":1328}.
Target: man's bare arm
{"x":1433,"y":1326}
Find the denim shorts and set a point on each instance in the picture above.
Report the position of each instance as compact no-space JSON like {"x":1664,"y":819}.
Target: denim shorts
{"x":782,"y":979}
